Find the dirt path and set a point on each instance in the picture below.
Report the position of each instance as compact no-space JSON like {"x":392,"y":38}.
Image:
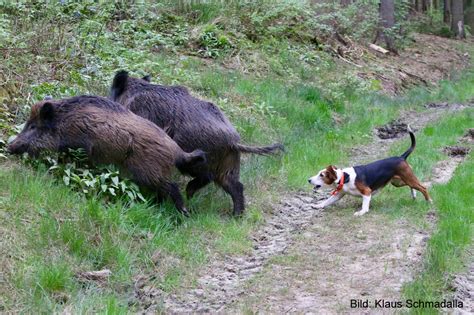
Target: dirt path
{"x":319,"y":260}
{"x":464,"y":285}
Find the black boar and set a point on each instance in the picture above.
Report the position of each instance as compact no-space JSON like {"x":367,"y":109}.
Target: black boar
{"x":109,"y":133}
{"x":193,"y":124}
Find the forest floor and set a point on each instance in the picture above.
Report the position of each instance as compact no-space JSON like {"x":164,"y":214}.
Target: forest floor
{"x":305,"y":259}
{"x":426,"y":62}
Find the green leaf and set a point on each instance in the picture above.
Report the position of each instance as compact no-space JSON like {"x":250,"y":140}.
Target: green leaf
{"x":140,"y":196}
{"x":123,"y":186}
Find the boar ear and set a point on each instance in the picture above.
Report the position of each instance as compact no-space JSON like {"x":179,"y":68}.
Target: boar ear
{"x":147,"y":78}
{"x":47,"y":112}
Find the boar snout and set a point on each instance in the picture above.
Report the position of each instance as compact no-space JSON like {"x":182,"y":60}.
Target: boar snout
{"x":17,"y":147}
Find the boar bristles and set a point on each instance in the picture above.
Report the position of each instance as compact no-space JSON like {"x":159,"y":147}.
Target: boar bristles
{"x":119,"y":83}
{"x":47,"y":112}
{"x":190,"y":161}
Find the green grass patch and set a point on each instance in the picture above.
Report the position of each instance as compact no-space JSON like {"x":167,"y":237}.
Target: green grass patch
{"x":454,"y":233}
{"x":57,"y":234}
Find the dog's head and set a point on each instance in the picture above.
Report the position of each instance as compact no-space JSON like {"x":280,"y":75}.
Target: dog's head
{"x":325,"y":177}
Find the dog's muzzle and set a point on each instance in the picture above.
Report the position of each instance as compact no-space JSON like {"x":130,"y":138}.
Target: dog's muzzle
{"x":316,"y":187}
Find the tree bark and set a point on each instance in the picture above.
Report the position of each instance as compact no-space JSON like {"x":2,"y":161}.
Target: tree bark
{"x":426,"y":5}
{"x":419,"y":5}
{"x":457,"y":22}
{"x":447,"y":11}
{"x":387,"y":21}
{"x":345,"y":3}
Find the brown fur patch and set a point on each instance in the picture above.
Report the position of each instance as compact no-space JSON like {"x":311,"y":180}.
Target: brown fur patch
{"x":406,"y":174}
{"x":35,"y":109}
{"x":330,"y":175}
{"x":397,"y":181}
{"x":364,"y":190}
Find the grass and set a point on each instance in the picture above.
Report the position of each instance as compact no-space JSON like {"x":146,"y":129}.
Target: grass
{"x":453,"y":235}
{"x":454,"y":203}
{"x":58,"y":233}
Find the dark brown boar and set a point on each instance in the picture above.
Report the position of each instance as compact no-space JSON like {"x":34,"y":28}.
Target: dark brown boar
{"x":109,"y":133}
{"x":193,"y":124}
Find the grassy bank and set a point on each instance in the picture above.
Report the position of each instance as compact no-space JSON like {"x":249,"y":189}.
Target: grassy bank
{"x":453,"y":235}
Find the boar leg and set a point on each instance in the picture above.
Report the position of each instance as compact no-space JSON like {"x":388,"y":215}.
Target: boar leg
{"x":196,"y":184}
{"x":236,"y":190}
{"x":172,"y":190}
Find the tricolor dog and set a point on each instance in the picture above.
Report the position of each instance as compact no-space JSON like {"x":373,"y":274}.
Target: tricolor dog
{"x":366,"y":180}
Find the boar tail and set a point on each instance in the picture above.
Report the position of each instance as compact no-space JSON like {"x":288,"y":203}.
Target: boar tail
{"x":189,"y":161}
{"x":267,"y":150}
{"x":118,"y":85}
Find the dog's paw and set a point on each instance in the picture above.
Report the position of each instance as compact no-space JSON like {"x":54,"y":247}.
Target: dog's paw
{"x":319,"y":205}
{"x":359,"y":213}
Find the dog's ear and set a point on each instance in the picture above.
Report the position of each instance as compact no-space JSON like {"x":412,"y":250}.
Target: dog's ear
{"x":331,"y":174}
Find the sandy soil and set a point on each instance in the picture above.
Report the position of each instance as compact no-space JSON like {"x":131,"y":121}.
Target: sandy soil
{"x":427,"y":61}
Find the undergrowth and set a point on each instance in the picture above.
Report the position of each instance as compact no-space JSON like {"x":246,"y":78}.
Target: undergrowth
{"x":447,"y":247}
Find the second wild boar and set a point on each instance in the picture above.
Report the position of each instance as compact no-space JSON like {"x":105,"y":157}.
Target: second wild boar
{"x":193,"y":124}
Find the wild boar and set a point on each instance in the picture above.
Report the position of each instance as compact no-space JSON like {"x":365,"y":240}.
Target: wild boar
{"x":111,"y":134}
{"x":193,"y":124}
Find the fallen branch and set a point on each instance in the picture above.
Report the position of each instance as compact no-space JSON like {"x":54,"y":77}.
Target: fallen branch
{"x":348,"y":61}
{"x":414,"y":76}
{"x":379,"y":49}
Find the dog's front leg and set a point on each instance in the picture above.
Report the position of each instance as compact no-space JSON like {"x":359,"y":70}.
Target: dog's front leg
{"x":365,"y":205}
{"x":330,"y":200}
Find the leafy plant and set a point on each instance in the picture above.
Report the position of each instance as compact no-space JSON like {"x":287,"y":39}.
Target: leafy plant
{"x":73,"y":170}
{"x":213,"y":43}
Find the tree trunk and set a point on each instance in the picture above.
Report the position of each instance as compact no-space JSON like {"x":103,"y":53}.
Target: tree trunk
{"x":419,"y":5}
{"x":447,"y":11}
{"x":426,"y":5}
{"x":345,"y":3}
{"x":387,"y":21}
{"x":457,"y":22}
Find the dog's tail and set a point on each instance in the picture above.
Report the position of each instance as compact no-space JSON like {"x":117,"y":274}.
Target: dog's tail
{"x":413,"y":144}
{"x":267,"y":150}
{"x":118,"y":85}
